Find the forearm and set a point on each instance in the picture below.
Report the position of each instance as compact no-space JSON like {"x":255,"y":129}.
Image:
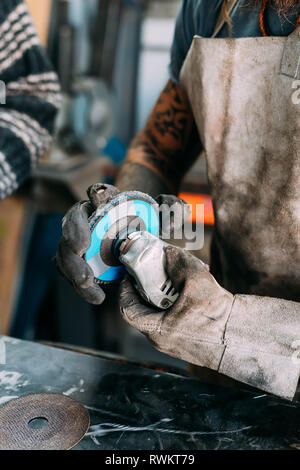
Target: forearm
{"x":252,"y":339}
{"x":137,"y":177}
{"x":261,"y":340}
{"x":161,"y":153}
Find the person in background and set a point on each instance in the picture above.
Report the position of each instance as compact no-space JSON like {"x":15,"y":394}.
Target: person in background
{"x":32,"y":94}
{"x":233,"y":91}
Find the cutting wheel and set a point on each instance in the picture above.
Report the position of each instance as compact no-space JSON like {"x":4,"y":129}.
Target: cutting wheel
{"x":131,"y":209}
{"x":46,"y":421}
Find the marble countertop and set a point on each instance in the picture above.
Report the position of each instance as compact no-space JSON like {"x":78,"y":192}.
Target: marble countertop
{"x":133,"y":408}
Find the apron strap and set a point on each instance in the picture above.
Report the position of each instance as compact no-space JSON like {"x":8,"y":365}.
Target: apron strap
{"x":221,"y":21}
{"x":290,"y":64}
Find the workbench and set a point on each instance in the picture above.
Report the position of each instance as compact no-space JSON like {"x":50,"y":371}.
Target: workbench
{"x":133,"y":408}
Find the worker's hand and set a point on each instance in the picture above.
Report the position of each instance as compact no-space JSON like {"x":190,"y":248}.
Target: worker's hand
{"x":173,"y":213}
{"x":76,"y":237}
{"x":193,"y":328}
{"x":248,"y":338}
{"x":75,"y":241}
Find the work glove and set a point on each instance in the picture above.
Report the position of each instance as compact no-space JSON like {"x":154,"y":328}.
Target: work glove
{"x":75,"y":241}
{"x":173,"y":212}
{"x":76,"y":237}
{"x":247,"y":338}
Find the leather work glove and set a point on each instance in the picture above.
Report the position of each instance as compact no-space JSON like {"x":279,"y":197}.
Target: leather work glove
{"x":170,"y":221}
{"x":75,"y":241}
{"x":250,"y":339}
{"x":76,"y":237}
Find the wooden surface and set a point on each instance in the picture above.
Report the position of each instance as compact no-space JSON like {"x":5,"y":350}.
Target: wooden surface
{"x":12,"y":213}
{"x":40,"y":11}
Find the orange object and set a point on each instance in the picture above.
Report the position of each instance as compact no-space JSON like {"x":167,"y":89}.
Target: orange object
{"x":41,"y":13}
{"x":197,"y":216}
{"x":261,"y":19}
{"x":12,"y":219}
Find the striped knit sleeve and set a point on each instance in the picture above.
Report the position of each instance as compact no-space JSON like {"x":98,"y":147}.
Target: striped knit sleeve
{"x":30,"y":96}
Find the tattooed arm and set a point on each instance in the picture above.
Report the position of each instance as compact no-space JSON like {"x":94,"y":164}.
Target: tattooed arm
{"x":163,"y":151}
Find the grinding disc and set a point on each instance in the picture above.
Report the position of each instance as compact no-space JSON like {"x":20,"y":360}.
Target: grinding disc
{"x":46,"y":421}
{"x":134,"y":209}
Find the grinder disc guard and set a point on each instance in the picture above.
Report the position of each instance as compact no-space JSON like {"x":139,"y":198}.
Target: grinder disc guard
{"x":130,"y":209}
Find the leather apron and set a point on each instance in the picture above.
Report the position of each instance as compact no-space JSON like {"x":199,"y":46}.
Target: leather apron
{"x":245,"y":98}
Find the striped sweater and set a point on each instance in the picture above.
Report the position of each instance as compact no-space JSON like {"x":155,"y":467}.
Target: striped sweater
{"x":32,"y":96}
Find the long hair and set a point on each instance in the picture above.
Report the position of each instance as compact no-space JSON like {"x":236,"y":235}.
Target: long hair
{"x":282,"y":7}
{"x":227,"y":17}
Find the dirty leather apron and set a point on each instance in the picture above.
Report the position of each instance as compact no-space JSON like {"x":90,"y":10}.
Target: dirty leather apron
{"x":243,"y":93}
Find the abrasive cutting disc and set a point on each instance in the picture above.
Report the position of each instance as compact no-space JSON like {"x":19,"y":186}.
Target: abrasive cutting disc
{"x":46,"y":421}
{"x":133,"y":209}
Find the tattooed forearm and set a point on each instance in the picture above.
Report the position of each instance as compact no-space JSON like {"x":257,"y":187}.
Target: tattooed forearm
{"x":136,"y":177}
{"x":166,"y":147}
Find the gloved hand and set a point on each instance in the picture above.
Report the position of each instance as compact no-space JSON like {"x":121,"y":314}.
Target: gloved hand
{"x":75,"y":239}
{"x":171,"y":220}
{"x":248,"y":338}
{"x":193,"y":328}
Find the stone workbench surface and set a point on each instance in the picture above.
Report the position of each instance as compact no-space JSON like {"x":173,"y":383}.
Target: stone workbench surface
{"x":134,"y":408}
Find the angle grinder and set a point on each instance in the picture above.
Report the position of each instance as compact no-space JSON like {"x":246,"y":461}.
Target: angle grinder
{"x":125,"y":238}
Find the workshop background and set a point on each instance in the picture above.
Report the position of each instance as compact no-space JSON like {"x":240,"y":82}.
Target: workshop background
{"x":112,"y":59}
